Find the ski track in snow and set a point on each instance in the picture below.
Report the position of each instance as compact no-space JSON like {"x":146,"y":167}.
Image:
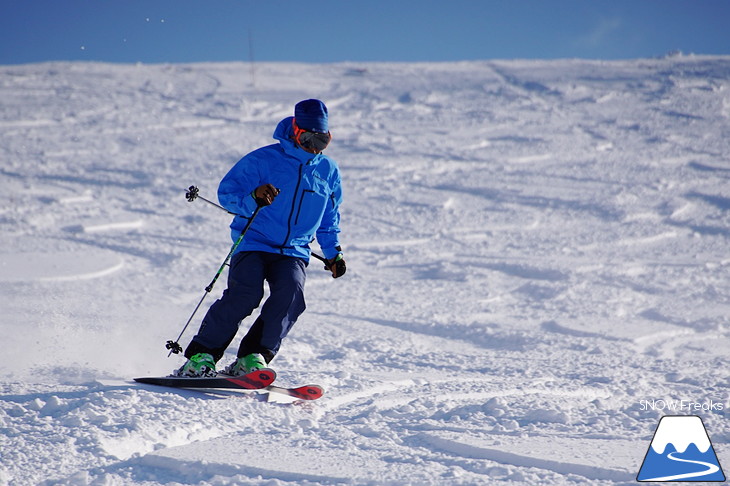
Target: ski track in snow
{"x":533,"y":248}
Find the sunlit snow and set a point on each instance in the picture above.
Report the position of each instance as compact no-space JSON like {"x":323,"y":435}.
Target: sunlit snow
{"x":536,"y":250}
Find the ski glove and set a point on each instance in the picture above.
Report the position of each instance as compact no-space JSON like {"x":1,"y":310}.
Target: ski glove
{"x":265,"y":194}
{"x":336,"y":265}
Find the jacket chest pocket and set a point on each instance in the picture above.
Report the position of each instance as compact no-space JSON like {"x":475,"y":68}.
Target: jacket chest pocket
{"x":311,"y":207}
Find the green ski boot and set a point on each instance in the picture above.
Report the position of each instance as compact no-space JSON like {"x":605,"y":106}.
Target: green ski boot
{"x":245,"y":365}
{"x":201,"y":365}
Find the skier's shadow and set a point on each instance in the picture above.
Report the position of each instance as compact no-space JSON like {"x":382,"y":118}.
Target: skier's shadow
{"x":205,"y":393}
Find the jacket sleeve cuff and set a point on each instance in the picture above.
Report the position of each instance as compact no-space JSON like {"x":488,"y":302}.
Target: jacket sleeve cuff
{"x":330,"y":253}
{"x":249,"y":205}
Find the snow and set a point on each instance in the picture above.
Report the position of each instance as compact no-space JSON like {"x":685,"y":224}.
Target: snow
{"x":537,"y":256}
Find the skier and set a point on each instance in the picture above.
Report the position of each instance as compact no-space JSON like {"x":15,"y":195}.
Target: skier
{"x":299,"y":191}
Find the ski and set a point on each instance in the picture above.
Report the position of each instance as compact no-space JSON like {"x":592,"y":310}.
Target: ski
{"x":260,"y":380}
{"x":256,"y":380}
{"x":306,"y":392}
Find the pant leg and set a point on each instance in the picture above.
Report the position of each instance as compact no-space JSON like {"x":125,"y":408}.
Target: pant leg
{"x":285,"y":276}
{"x":244,"y":293}
{"x":251,"y":342}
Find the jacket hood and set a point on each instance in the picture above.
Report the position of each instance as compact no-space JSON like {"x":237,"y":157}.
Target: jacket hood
{"x":284,"y":131}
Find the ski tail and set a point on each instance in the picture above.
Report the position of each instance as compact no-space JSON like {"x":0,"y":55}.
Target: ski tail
{"x":306,"y":392}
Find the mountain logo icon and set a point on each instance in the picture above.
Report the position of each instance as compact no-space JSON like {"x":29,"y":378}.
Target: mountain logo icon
{"x":680,"y":451}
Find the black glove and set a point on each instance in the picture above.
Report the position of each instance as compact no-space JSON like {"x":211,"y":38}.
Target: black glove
{"x":336,"y":265}
{"x":265,"y":194}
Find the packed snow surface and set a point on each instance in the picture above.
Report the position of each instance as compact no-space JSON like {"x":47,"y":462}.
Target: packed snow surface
{"x":537,"y":253}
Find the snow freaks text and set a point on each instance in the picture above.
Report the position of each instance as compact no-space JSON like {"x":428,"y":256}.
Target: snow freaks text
{"x":681,"y":405}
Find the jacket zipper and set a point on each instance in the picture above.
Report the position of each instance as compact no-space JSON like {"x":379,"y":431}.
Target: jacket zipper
{"x":291,"y":213}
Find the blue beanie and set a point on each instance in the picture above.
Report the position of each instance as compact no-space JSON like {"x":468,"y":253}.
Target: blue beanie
{"x":311,"y":115}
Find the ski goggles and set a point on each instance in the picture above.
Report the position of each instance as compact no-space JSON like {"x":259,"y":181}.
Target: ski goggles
{"x":311,"y":140}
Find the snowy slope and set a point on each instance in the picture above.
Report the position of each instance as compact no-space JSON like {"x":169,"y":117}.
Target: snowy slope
{"x":537,"y":260}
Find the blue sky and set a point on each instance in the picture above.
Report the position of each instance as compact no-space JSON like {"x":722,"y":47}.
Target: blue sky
{"x":154,"y":31}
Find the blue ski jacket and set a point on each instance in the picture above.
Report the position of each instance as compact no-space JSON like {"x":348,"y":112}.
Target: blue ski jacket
{"x":307,"y":206}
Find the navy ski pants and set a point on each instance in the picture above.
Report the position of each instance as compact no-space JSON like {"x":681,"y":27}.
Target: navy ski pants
{"x":246,"y":276}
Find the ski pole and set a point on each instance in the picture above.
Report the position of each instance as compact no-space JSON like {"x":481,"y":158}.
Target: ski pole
{"x":192,"y":193}
{"x":319,"y":257}
{"x":174,"y":346}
